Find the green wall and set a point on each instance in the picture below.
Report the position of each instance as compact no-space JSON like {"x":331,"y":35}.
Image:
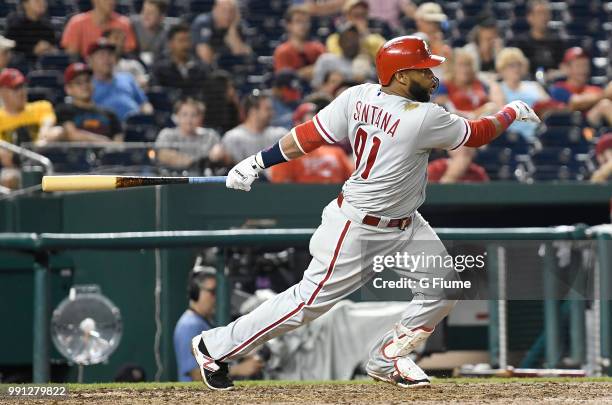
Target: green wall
{"x":128,"y":277}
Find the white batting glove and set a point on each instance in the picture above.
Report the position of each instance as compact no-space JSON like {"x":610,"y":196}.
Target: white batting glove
{"x":243,"y":174}
{"x":523,"y":112}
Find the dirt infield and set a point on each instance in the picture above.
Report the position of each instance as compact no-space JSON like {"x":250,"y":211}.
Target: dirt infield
{"x":443,"y":392}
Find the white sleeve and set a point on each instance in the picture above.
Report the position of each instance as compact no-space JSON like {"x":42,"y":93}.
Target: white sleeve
{"x":332,"y":121}
{"x":443,"y":130}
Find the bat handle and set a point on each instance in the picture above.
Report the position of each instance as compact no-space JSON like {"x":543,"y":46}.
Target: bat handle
{"x":207,"y":179}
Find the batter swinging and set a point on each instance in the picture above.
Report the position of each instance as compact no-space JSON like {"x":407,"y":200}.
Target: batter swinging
{"x":392,"y":127}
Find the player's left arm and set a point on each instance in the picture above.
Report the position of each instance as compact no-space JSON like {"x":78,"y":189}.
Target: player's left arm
{"x":486,"y":129}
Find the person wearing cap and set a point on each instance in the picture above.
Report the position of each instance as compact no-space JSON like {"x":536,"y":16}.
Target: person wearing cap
{"x":356,"y":12}
{"x":80,"y":119}
{"x":21,"y":121}
{"x":543,"y":47}
{"x":297,"y":52}
{"x":576,"y":92}
{"x":603,"y":153}
{"x":31,"y":29}
{"x":118,"y":92}
{"x":84,"y":29}
{"x":429,"y":18}
{"x":327,"y":164}
{"x":351,"y":62}
{"x":286,"y":95}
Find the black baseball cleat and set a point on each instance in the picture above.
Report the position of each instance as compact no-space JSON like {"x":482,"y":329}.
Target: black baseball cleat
{"x":215,"y":375}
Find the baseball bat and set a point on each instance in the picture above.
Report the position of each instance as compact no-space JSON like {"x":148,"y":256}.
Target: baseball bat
{"x":100,"y":182}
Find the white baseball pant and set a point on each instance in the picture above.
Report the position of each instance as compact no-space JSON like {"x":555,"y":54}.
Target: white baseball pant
{"x":342,"y":250}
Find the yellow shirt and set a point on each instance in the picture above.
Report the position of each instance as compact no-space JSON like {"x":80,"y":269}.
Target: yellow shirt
{"x":24,"y":127}
{"x":370,"y":44}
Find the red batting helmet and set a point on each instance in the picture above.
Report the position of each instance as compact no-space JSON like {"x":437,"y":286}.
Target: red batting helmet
{"x":403,"y":53}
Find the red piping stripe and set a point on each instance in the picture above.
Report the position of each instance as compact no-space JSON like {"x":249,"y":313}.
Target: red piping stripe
{"x":299,"y":307}
{"x":328,"y":136}
{"x":464,"y":136}
{"x":264,"y":330}
{"x":330,"y":269}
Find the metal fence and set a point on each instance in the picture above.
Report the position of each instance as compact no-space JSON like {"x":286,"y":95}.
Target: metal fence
{"x":42,"y":246}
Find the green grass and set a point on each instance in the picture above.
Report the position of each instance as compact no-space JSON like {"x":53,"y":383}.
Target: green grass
{"x":198,"y":385}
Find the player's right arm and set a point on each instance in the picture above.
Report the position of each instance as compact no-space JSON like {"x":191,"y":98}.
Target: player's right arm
{"x":329,"y":126}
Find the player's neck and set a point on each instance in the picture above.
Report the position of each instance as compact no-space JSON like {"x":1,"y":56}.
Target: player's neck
{"x":394,"y":92}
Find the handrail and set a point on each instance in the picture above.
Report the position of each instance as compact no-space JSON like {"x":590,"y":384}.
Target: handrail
{"x":28,"y":154}
{"x":169,"y":239}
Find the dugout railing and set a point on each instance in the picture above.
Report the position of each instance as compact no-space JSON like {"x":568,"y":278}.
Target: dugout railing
{"x":42,"y":246}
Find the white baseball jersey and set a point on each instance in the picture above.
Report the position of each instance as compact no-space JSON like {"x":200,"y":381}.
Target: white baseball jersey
{"x":391,"y":138}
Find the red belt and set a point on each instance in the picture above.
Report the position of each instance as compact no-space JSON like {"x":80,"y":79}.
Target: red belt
{"x":372,"y":220}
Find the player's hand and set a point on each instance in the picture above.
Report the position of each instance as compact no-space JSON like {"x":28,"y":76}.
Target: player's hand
{"x":523,"y":112}
{"x":243,"y":174}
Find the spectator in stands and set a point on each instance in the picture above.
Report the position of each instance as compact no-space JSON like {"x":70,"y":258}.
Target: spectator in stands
{"x":326,"y":164}
{"x":457,"y":168}
{"x":180,"y":70}
{"x":6,"y":47}
{"x":429,"y":18}
{"x":513,"y":67}
{"x":603,"y":152}
{"x":31,"y":30}
{"x":198,"y":317}
{"x":188,"y":144}
{"x":21,"y":122}
{"x":219,"y":32}
{"x":223,"y":106}
{"x":255,"y":133}
{"x":126,"y":63}
{"x":578,"y":94}
{"x":150,"y":29}
{"x":390,"y":11}
{"x":356,"y":13}
{"x":321,"y":8}
{"x":462,"y":92}
{"x":351,"y":64}
{"x":84,"y":29}
{"x":332,"y":80}
{"x":118,"y":92}
{"x":297,"y":52}
{"x":80,"y":119}
{"x":541,"y":46}
{"x":485,"y":43}
{"x":286,"y":94}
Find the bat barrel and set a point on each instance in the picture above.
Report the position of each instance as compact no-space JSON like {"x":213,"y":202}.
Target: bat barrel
{"x":99,"y":182}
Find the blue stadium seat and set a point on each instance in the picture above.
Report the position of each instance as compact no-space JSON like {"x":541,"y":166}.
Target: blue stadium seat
{"x":160,"y":99}
{"x":43,"y":93}
{"x":554,"y":156}
{"x":563,"y":118}
{"x":136,"y":157}
{"x":141,"y":128}
{"x":57,"y":61}
{"x":51,"y":79}
{"x":565,"y":136}
{"x":69,"y":160}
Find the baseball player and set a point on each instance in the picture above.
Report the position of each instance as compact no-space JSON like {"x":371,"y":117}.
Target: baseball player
{"x":392,"y":128}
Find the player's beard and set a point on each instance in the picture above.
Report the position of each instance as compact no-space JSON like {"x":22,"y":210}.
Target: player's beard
{"x":419,"y":93}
